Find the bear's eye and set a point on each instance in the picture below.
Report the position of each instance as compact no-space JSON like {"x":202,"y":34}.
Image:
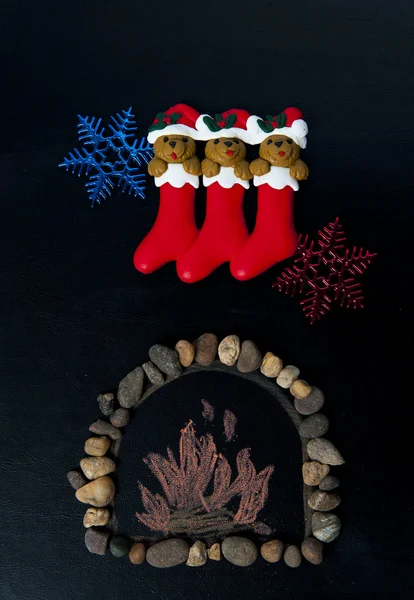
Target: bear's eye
{"x":216,"y":141}
{"x":165,"y":139}
{"x":236,"y":141}
{"x":185,"y":140}
{"x":289,"y":141}
{"x":269,"y":142}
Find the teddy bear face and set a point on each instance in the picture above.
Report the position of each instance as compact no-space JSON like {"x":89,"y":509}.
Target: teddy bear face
{"x":227,"y":152}
{"x":174,"y":148}
{"x":279,"y":150}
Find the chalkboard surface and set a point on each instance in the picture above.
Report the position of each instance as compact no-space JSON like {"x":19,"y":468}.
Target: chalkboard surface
{"x":76,"y":316}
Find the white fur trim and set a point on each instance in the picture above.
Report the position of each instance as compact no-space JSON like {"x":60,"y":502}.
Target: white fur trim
{"x":205,"y":134}
{"x":175,"y":129}
{"x":176,"y":176}
{"x":226,"y":178}
{"x":297,"y":131}
{"x":277,"y":178}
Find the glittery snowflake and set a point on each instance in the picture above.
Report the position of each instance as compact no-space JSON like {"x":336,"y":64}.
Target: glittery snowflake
{"x":110,"y":158}
{"x":325,"y":271}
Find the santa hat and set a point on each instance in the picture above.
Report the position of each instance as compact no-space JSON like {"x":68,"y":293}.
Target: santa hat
{"x":289,"y":122}
{"x":180,"y":119}
{"x":230,"y":123}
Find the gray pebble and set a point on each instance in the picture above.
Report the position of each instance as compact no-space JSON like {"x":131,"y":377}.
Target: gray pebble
{"x":324,"y":451}
{"x":250,"y":357}
{"x":325,"y":526}
{"x":206,"y":347}
{"x":106,"y":404}
{"x":120,"y":418}
{"x":292,"y":556}
{"x":76,"y":480}
{"x":168,"y":553}
{"x":314,"y":426}
{"x":311,"y":404}
{"x":96,"y":540}
{"x":119,"y":546}
{"x":166,"y":360}
{"x":329,"y":483}
{"x":153,"y":373}
{"x":130,"y":388}
{"x":103,"y":428}
{"x":240,"y":551}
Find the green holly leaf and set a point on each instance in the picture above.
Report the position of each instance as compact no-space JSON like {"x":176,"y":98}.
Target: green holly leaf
{"x":160,"y":116}
{"x":218,"y":117}
{"x":211,"y":124}
{"x":157,"y":126}
{"x":174,"y":117}
{"x":266,"y":127}
{"x":268,"y":118}
{"x":230,"y":121}
{"x":281,"y":120}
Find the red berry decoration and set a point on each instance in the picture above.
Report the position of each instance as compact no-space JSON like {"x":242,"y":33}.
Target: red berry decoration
{"x":326,"y":272}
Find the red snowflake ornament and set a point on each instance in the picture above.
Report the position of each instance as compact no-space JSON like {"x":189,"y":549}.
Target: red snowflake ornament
{"x":326,"y":272}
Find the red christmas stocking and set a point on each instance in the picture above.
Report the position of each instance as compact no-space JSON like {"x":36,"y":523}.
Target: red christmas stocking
{"x":274,"y":237}
{"x":173,"y":231}
{"x":224,"y":232}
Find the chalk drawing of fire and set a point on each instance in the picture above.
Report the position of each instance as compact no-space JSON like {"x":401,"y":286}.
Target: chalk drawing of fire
{"x":200,"y":495}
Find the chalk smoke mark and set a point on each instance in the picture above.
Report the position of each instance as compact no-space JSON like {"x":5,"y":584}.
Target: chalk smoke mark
{"x":230,"y":422}
{"x":208,"y":411}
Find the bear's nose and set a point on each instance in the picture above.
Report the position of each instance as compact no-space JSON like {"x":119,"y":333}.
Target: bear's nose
{"x":228,"y":144}
{"x":172,"y":144}
{"x":278,"y":144}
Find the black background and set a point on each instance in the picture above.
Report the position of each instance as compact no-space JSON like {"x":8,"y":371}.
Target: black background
{"x":76,"y":317}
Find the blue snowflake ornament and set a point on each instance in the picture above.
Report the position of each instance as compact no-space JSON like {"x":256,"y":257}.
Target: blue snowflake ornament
{"x":93,"y":161}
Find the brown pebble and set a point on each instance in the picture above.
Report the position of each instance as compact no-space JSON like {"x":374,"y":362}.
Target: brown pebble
{"x":186,"y":352}
{"x":103,"y":428}
{"x":97,"y":446}
{"x":153,"y":373}
{"x":198,"y":555}
{"x":313,"y":472}
{"x":311,"y":404}
{"x":137,"y":553}
{"x":292,"y":556}
{"x":214,"y":552}
{"x":250,"y":357}
{"x":76,"y":480}
{"x":323,"y":501}
{"x":300,"y":389}
{"x":229,"y":350}
{"x":329,"y":483}
{"x":94,"y":467}
{"x":272,"y":551}
{"x":96,"y":517}
{"x":312,"y":550}
{"x":99,"y":492}
{"x":324,"y":451}
{"x":96,"y":540}
{"x":206,"y":349}
{"x":106,"y":403}
{"x":287,"y":376}
{"x":271,"y":365}
{"x":120,"y":418}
